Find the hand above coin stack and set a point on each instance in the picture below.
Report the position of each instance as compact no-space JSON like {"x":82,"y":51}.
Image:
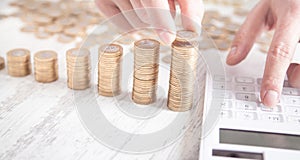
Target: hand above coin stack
{"x":282,"y":16}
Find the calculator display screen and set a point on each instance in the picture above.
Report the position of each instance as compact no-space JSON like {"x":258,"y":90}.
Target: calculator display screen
{"x":260,"y":139}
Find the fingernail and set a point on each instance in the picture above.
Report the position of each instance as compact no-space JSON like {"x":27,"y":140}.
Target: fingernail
{"x":166,"y":37}
{"x":271,"y":98}
{"x":232,"y":51}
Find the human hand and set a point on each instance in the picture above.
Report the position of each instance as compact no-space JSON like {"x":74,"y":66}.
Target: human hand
{"x":284,"y":18}
{"x":158,"y":14}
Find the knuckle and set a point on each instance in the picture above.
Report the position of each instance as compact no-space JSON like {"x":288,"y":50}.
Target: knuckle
{"x":281,"y":51}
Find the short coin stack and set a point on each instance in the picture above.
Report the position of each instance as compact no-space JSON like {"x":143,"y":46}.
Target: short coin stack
{"x":18,"y":62}
{"x":45,"y":66}
{"x":146,"y":67}
{"x":109,"y":70}
{"x":78,"y":68}
{"x":2,"y":63}
{"x":183,"y":71}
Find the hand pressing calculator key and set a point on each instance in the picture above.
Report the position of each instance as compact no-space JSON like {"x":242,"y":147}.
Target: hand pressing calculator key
{"x":243,"y":127}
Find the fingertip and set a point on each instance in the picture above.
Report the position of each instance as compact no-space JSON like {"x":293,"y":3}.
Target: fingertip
{"x":271,"y":98}
{"x":232,"y":56}
{"x":166,"y":37}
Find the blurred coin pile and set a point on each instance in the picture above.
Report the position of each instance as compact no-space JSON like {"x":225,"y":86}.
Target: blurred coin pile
{"x":78,"y":68}
{"x":18,"y":62}
{"x":183,"y":71}
{"x":2,"y":63}
{"x":222,"y":29}
{"x":146,"y":67}
{"x":66,"y":18}
{"x":45,"y":66}
{"x":109,"y":70}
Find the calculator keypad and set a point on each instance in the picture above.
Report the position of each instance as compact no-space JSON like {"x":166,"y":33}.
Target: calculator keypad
{"x":238,"y":98}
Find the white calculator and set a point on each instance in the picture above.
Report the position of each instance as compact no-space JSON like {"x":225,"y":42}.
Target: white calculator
{"x":244,"y":128}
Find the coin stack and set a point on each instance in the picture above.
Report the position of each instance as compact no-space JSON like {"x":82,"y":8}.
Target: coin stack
{"x":183,"y":71}
{"x":18,"y":62}
{"x":146,"y":67}
{"x":78,"y":68}
{"x":2,"y":63}
{"x":109,"y":70}
{"x":45,"y":66}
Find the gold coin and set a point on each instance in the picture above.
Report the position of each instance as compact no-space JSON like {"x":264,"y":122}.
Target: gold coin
{"x":63,"y":38}
{"x":45,"y":56}
{"x":54,"y":28}
{"x":18,"y":55}
{"x":42,"y":34}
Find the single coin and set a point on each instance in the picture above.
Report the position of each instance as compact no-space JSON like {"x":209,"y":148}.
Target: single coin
{"x":63,"y":38}
{"x":54,"y":28}
{"x":18,"y":55}
{"x":29,"y":28}
{"x":45,"y":56}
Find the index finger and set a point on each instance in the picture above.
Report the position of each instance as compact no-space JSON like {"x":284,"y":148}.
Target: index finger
{"x":278,"y":60}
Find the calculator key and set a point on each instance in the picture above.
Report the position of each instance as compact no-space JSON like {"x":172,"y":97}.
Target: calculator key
{"x":244,"y":80}
{"x":221,"y":86}
{"x":246,"y":97}
{"x":245,"y":88}
{"x":292,"y":100}
{"x":294,"y":119}
{"x":242,"y":105}
{"x":226,"y":114}
{"x":222,"y":94}
{"x":224,"y":104}
{"x":272,"y":118}
{"x":292,"y":111}
{"x":270,"y":109}
{"x":291,"y":91}
{"x":222,"y":78}
{"x":246,"y":115}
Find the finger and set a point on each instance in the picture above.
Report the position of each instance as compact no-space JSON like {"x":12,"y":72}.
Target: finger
{"x":279,"y":58}
{"x":192,"y":14}
{"x":247,"y":34}
{"x":140,"y":11}
{"x":293,"y":74}
{"x":172,"y":8}
{"x":109,"y":10}
{"x":161,"y":19}
{"x":128,"y":12}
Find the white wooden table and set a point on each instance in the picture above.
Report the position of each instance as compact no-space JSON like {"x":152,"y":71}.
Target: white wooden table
{"x":40,"y":121}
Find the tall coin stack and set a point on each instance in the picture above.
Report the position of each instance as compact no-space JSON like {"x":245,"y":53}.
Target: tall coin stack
{"x":109,"y":70}
{"x":18,"y":62}
{"x":146,"y":67}
{"x":183,"y":71}
{"x":45,"y":66}
{"x":78,"y":68}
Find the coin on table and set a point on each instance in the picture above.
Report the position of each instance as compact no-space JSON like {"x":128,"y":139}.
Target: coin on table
{"x":63,"y":38}
{"x":54,"y":28}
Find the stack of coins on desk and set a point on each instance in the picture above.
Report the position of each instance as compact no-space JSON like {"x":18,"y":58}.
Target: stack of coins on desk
{"x":18,"y":62}
{"x":45,"y":66}
{"x":146,"y":67}
{"x":2,"y":63}
{"x":109,"y":70}
{"x":78,"y":68}
{"x":183,"y":71}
